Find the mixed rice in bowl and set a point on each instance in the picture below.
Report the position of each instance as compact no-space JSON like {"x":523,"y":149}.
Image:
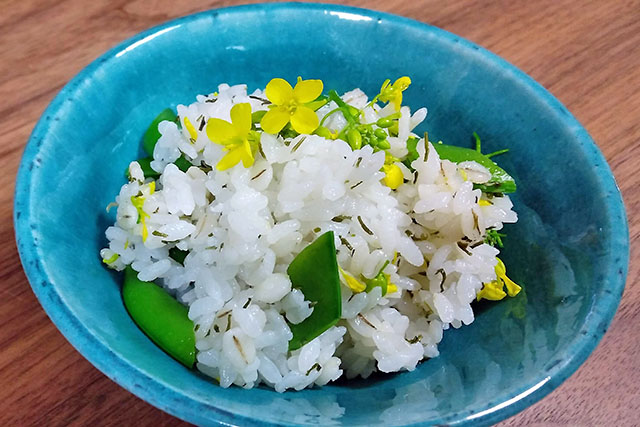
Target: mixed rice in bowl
{"x":307,"y":236}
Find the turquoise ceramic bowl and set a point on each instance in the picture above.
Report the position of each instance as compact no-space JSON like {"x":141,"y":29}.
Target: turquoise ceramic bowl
{"x":570,"y":247}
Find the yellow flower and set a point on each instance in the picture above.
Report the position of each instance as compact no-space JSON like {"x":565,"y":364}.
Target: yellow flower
{"x":354,"y":284}
{"x":138,"y":203}
{"x":393,"y":93}
{"x":236,"y":137}
{"x":392,"y":288}
{"x":491,"y":291}
{"x":291,"y":105}
{"x":193,"y":134}
{"x":495,"y":290}
{"x":393,"y":177}
{"x":512,"y":287}
{"x":113,"y":258}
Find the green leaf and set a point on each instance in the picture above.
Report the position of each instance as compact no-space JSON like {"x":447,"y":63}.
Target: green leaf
{"x":151,"y":136}
{"x":145,"y":165}
{"x":500,"y":182}
{"x":315,"y":272}
{"x":178,"y":255}
{"x":494,"y":238}
{"x":161,"y":317}
{"x":256,"y":116}
{"x":412,"y":144}
{"x":182,"y":163}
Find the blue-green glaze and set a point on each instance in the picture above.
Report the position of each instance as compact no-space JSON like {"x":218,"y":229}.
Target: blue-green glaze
{"x":570,"y":248}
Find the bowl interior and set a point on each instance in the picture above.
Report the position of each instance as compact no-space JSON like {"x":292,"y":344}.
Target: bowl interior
{"x":569,"y":248}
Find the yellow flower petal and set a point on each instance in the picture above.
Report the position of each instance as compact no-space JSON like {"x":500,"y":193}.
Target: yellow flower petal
{"x":307,"y":90}
{"x":279,"y":91}
{"x":241,"y":118}
{"x":232,"y":158}
{"x":190,"y":128}
{"x":513,"y":288}
{"x":393,"y":176}
{"x":393,"y":93}
{"x":111,"y":259}
{"x":500,"y":267}
{"x":304,"y":120}
{"x":247,"y":154}
{"x":396,"y":100}
{"x":483,"y":202}
{"x":491,"y":291}
{"x":145,"y":230}
{"x":354,"y":284}
{"x":275,"y":119}
{"x":402,"y":83}
{"x":391,"y":288}
{"x":220,"y":131}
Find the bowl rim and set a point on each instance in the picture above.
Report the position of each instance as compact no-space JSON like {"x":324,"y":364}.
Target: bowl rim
{"x":173,"y":400}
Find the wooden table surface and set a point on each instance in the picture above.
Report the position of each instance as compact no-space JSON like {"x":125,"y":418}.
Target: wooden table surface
{"x":586,"y":53}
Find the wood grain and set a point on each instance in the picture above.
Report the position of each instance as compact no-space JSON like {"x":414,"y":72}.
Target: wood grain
{"x":586,"y":53}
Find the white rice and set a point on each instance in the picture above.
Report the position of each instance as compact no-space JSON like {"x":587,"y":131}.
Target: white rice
{"x":243,"y":227}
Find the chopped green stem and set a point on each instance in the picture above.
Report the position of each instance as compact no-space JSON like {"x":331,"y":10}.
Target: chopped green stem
{"x":328,"y":114}
{"x":478,"y":145}
{"x":373,"y":101}
{"x":497,"y":153}
{"x":387,"y":262}
{"x":344,"y":107}
{"x":111,"y":259}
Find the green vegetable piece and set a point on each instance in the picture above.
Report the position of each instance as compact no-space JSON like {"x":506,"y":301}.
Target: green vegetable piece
{"x":379,"y":280}
{"x":412,"y":144}
{"x":182,"y":163}
{"x":349,"y":112}
{"x":315,"y":272}
{"x":152,"y":134}
{"x":161,"y":317}
{"x":383,"y":144}
{"x":394,"y":129}
{"x":380,"y":134}
{"x":354,"y":138}
{"x":494,"y":238}
{"x":145,"y":165}
{"x":323,"y":132}
{"x":319,"y":102}
{"x":178,"y":255}
{"x":256,"y":116}
{"x":385,"y":122}
{"x":353,"y":111}
{"x":500,"y":182}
